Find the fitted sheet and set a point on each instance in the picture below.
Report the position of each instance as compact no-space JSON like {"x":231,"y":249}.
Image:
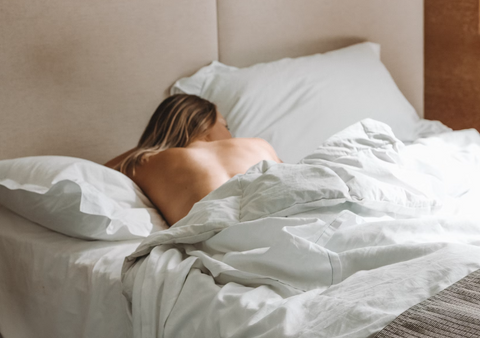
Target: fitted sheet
{"x":52,"y":285}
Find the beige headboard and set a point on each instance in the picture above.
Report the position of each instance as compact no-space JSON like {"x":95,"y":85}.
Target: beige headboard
{"x":81,"y":78}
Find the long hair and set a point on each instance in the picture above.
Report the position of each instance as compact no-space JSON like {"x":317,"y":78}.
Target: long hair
{"x":177,"y":122}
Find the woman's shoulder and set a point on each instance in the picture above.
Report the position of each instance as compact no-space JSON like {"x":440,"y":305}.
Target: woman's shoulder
{"x":168,"y":158}
{"x":257,"y":141}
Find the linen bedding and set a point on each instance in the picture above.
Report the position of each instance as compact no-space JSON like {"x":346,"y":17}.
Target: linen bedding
{"x":52,"y":285}
{"x":335,"y":246}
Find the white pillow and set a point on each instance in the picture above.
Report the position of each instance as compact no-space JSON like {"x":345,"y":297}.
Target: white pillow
{"x":78,"y":198}
{"x":296,"y":104}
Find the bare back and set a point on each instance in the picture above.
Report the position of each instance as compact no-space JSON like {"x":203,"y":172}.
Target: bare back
{"x":177,"y":178}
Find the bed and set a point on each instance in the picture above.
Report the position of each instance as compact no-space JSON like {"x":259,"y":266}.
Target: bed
{"x":372,"y":213}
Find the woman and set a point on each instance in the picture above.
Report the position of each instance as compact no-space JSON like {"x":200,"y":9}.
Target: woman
{"x":185,"y":152}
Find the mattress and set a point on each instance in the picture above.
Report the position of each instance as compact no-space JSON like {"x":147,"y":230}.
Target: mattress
{"x":52,"y":285}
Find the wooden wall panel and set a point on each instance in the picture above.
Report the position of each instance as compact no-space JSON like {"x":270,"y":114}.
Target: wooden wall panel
{"x":452,"y":62}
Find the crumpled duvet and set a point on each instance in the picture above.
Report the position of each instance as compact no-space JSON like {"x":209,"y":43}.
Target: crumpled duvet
{"x":335,"y":246}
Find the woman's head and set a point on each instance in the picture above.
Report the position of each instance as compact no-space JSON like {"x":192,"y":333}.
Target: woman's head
{"x":178,"y":121}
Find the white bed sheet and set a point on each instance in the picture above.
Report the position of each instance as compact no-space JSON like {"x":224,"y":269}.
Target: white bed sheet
{"x":52,"y":285}
{"x":336,"y":246}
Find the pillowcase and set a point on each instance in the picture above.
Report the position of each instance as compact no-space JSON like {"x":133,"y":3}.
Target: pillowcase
{"x":296,"y":104}
{"x":78,"y":198}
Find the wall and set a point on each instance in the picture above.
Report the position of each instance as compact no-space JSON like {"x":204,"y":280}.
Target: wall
{"x":82,"y":78}
{"x":452,"y":62}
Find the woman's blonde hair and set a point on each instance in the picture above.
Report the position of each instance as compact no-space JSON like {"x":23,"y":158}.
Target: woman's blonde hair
{"x":177,"y":122}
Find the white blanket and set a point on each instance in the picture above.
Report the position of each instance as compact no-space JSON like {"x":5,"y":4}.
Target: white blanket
{"x":336,"y":246}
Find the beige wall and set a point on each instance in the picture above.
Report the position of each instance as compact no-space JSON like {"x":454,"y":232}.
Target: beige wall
{"x":82,"y":78}
{"x":253,"y":31}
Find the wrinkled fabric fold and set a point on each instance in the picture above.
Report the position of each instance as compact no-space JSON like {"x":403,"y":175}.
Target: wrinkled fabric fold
{"x":334,"y":246}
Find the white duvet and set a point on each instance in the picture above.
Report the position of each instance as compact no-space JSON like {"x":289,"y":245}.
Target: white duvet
{"x":336,"y":246}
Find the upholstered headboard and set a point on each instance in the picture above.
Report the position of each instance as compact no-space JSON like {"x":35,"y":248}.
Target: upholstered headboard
{"x":82,"y":78}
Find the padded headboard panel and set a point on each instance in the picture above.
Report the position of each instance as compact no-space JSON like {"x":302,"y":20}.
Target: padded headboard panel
{"x":252,"y":31}
{"x":82,"y":78}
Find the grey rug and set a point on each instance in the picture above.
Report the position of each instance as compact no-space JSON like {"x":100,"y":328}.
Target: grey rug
{"x":453,"y":312}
